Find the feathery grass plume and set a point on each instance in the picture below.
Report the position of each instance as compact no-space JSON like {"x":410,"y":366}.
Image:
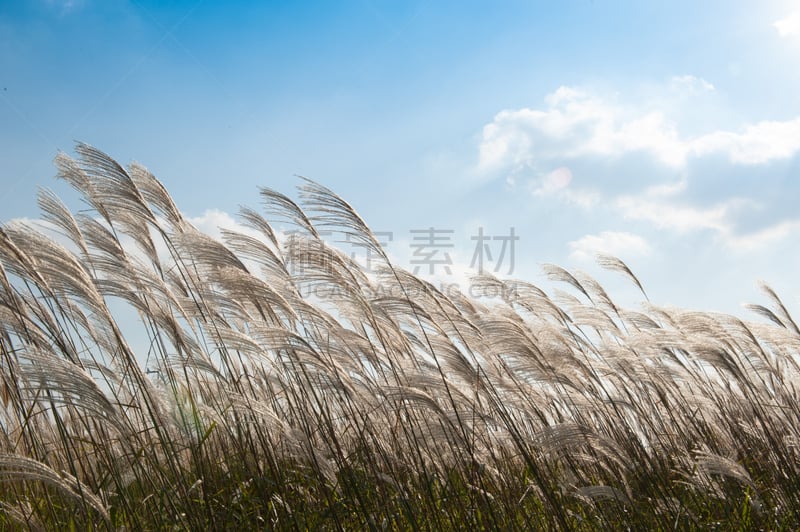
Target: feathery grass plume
{"x":154,"y":192}
{"x":271,"y":262}
{"x":112,"y":192}
{"x":557,"y":273}
{"x":615,"y":264}
{"x":254,"y":220}
{"x":14,"y":467}
{"x":332,"y":211}
{"x":64,"y":383}
{"x":55,"y":212}
{"x":281,"y":205}
{"x":20,"y":515}
{"x":600,"y":493}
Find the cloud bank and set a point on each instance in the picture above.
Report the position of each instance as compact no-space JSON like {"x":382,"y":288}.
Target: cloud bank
{"x":575,"y":123}
{"x":643,"y":170}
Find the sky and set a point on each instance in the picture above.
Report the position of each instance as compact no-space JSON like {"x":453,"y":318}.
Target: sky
{"x":664,"y":133}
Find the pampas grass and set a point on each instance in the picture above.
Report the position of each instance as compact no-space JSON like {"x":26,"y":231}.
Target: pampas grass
{"x":385,"y":404}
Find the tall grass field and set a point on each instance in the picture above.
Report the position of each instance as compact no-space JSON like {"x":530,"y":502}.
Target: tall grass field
{"x":283,"y":386}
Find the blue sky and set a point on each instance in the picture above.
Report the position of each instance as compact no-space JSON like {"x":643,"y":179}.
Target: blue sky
{"x":665,"y":133}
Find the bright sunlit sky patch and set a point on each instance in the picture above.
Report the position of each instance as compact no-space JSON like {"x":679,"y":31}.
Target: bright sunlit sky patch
{"x":666,"y":133}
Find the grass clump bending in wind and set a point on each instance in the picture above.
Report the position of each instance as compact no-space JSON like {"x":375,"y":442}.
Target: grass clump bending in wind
{"x":384,"y":405}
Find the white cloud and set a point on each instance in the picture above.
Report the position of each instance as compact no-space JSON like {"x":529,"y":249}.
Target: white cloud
{"x":755,"y":144}
{"x":665,"y":190}
{"x":510,"y":139}
{"x":576,"y":123}
{"x":690,"y":84}
{"x":661,"y":206}
{"x":618,"y":244}
{"x":666,"y":215}
{"x":555,"y":181}
{"x":213,"y":219}
{"x":503,"y":143}
{"x":789,"y":25}
{"x":575,"y":129}
{"x":557,"y":184}
{"x":763,"y":238}
{"x":663,"y":212}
